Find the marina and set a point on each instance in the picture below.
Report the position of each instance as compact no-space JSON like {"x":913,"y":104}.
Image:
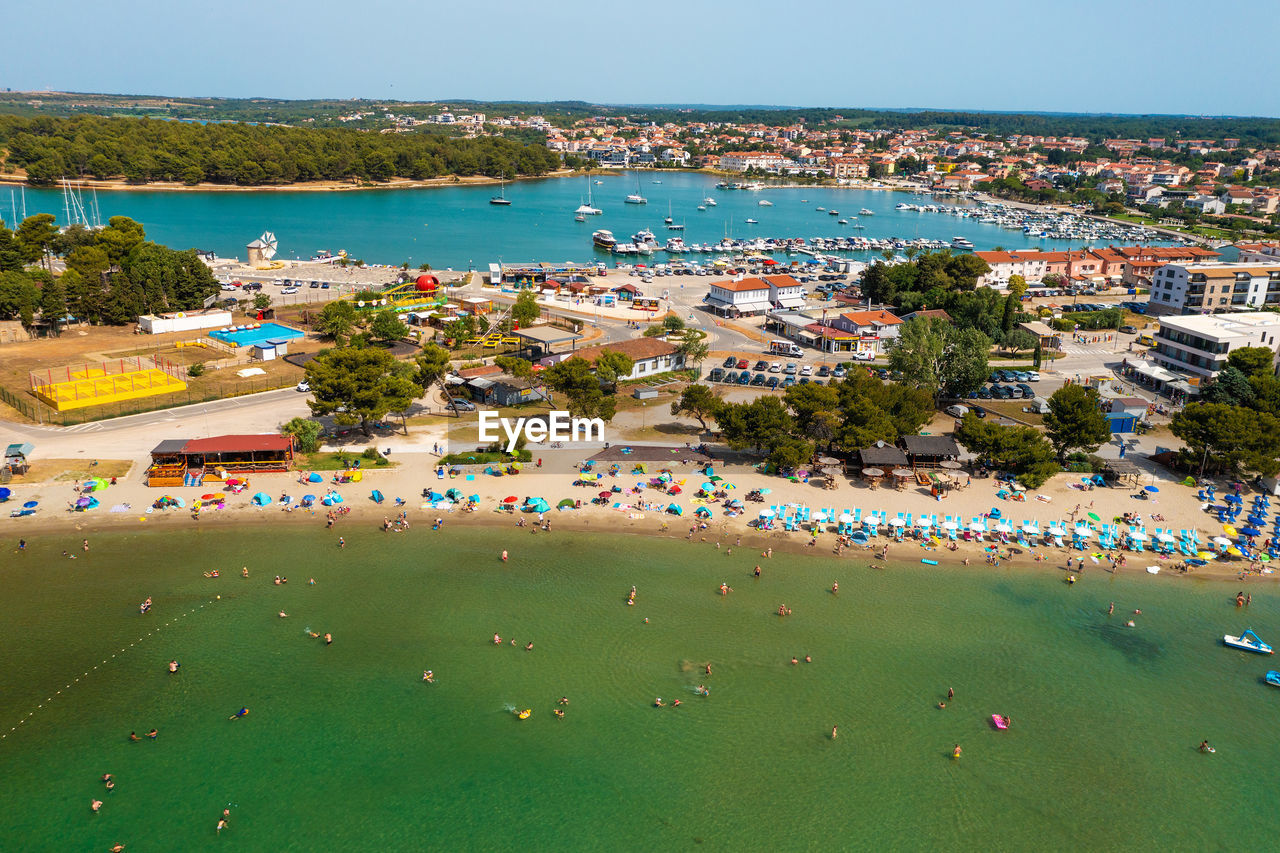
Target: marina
{"x":458,"y":227}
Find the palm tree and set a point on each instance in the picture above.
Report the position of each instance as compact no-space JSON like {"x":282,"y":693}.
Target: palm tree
{"x":887,"y":254}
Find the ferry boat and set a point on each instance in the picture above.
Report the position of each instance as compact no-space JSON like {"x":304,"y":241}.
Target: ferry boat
{"x":1248,"y":641}
{"x":604,"y":239}
{"x":865,"y":212}
{"x":961,"y":243}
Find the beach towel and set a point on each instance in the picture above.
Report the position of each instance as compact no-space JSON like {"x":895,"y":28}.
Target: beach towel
{"x":120,"y":508}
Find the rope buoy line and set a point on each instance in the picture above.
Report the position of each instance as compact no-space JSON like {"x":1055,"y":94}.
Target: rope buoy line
{"x":4,"y":735}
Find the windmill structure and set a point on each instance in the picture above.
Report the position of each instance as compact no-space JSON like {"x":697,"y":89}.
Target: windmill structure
{"x":262,"y":250}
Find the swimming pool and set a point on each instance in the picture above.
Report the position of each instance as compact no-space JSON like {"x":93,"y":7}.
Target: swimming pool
{"x":250,"y":336}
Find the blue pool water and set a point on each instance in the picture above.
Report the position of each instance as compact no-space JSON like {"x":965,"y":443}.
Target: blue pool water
{"x":265,"y":332}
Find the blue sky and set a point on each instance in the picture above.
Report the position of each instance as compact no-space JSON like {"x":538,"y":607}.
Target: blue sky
{"x":1078,"y":56}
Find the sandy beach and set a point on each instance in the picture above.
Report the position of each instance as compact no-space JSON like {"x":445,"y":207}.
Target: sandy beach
{"x":644,"y":513}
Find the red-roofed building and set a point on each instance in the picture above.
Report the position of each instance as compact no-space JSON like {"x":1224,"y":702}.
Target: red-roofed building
{"x":739,"y":297}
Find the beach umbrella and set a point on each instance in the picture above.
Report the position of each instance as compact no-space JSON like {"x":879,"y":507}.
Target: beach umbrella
{"x":1194,"y":562}
{"x":767,"y":513}
{"x":306,"y":499}
{"x":845,"y":518}
{"x":180,"y":502}
{"x":454,"y":494}
{"x":766,"y":491}
{"x":313,"y":477}
{"x":1082,"y":531}
{"x":924,"y":522}
{"x":1165,"y":537}
{"x":977,"y":527}
{"x":1235,"y":552}
{"x":1221,"y":540}
{"x":950,"y":525}
{"x":208,"y":497}
{"x":567,"y":502}
{"x":233,"y":482}
{"x":4,"y":494}
{"x":1250,"y":531}
{"x":604,"y":494}
{"x":1094,"y":516}
{"x":1137,"y":534}
{"x":1004,"y":527}
{"x":1229,"y":530}
{"x":1054,"y":530}
{"x":708,"y":487}
{"x":1030,"y":528}
{"x":735,"y":504}
{"x":675,"y":509}
{"x":897,"y":522}
{"x":475,"y":499}
{"x":1152,"y":489}
{"x":262,"y":499}
{"x":83,"y":502}
{"x":510,"y":499}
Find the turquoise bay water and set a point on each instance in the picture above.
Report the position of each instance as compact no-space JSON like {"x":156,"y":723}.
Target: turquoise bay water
{"x":457,"y":227}
{"x":346,"y":749}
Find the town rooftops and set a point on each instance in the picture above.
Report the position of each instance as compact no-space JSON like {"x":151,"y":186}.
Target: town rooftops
{"x":744,"y":286}
{"x":871,"y":318}
{"x":477,"y":372}
{"x":638,"y":349}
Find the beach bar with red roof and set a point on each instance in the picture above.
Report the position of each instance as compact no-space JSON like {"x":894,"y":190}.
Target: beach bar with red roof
{"x":194,"y":461}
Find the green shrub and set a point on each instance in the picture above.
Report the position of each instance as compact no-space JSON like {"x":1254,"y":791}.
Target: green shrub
{"x":371,"y":453}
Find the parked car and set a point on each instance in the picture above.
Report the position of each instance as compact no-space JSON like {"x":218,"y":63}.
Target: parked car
{"x":761,"y":365}
{"x":772,"y":383}
{"x":788,"y":382}
{"x":1000,"y":392}
{"x":460,"y":405}
{"x":775,"y":366}
{"x":315,"y":285}
{"x":957,"y":411}
{"x":978,"y":411}
{"x":807,"y":370}
{"x":823,"y":370}
{"x":1027,"y":393}
{"x":1129,"y":329}
{"x":742,"y":364}
{"x":805,"y":380}
{"x":304,"y":386}
{"x":289,"y":290}
{"x":253,"y":285}
{"x":790,"y":369}
{"x":839,"y":373}
{"x":1021,"y":375}
{"x":1033,"y":376}
{"x":731,"y":361}
{"x":744,"y":378}
{"x":731,"y":378}
{"x":716,"y":374}
{"x":983,"y":393}
{"x":758,"y":379}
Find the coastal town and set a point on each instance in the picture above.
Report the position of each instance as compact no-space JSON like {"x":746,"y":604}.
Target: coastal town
{"x":807,"y":439}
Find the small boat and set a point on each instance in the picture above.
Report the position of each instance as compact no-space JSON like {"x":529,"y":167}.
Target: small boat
{"x":1273,"y":678}
{"x":1248,"y":641}
{"x":525,"y":714}
{"x":764,"y":203}
{"x":501,"y":197}
{"x":865,"y":212}
{"x":1000,"y":721}
{"x":579,"y":218}
{"x":820,"y":209}
{"x":751,"y":221}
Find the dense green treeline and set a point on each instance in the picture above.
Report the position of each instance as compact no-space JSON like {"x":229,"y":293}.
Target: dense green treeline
{"x":142,"y":150}
{"x":109,"y":275}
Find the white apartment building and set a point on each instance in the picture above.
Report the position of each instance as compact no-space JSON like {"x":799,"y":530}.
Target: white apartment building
{"x":1199,"y":344}
{"x":1210,"y":288}
{"x":746,"y":296}
{"x":785,"y":291}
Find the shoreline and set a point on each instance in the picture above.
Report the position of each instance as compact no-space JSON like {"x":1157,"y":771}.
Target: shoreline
{"x":907,"y":553}
{"x":307,"y":186}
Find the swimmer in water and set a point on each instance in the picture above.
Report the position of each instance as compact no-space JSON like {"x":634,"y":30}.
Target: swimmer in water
{"x":284,"y":615}
{"x":95,"y":804}
{"x":808,"y":659}
{"x":153,"y":734}
{"x":328,"y":639}
{"x":134,"y":736}
{"x":794,"y":661}
{"x":429,"y":676}
{"x":559,"y":713}
{"x":111,"y":784}
{"x":529,"y":647}
{"x":1111,"y":609}
{"x":173,"y":666}
{"x":504,"y":556}
{"x":564,"y":700}
{"x":497,"y":641}
{"x":222,"y":824}
{"x":942,"y":706}
{"x":244,"y":573}
{"x":951,"y":693}
{"x":238,"y":714}
{"x":835,"y":732}
{"x":955,"y":752}
{"x":835,"y":587}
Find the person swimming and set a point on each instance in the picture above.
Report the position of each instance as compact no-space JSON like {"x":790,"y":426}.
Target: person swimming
{"x":559,"y":713}
{"x":133,"y":736}
{"x":657,"y":703}
{"x":955,"y":752}
{"x":243,"y":712}
{"x":153,"y":734}
{"x":173,"y":666}
{"x":497,"y":641}
{"x":95,"y":804}
{"x":429,"y":676}
{"x":702,"y":690}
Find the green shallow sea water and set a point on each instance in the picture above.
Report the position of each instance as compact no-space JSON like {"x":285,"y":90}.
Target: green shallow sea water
{"x":345,"y":748}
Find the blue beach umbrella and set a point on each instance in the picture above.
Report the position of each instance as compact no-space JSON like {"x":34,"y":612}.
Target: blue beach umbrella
{"x":262,"y":499}
{"x":1250,"y":531}
{"x":4,"y":494}
{"x":313,"y":477}
{"x":31,"y":504}
{"x":1152,"y":489}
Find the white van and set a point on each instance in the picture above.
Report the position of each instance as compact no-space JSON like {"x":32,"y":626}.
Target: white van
{"x":785,"y":348}
{"x":957,"y":411}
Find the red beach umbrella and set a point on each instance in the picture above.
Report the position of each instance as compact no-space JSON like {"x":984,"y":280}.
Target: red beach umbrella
{"x":208,"y":497}
{"x":510,"y":500}
{"x":604,"y":494}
